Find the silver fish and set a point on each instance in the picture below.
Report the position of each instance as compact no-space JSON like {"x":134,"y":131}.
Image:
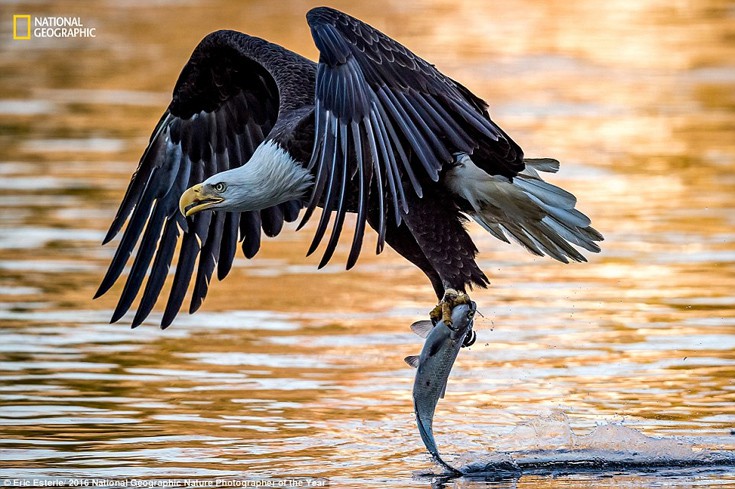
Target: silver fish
{"x":433,"y":366}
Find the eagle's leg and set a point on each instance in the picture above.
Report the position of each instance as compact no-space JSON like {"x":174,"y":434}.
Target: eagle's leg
{"x":443,"y":310}
{"x":446,"y":257}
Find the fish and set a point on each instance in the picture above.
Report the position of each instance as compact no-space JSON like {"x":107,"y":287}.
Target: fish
{"x":433,"y":366}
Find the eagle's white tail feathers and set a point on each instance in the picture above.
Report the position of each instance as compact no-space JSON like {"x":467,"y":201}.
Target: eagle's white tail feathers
{"x":538,"y":215}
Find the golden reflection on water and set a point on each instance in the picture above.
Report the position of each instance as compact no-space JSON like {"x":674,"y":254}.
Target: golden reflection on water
{"x":289,"y":371}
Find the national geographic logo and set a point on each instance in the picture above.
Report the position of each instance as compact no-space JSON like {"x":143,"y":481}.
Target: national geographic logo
{"x":26,"y":27}
{"x":21,"y":27}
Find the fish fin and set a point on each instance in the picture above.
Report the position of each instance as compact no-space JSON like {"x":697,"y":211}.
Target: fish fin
{"x":422,"y":328}
{"x":412,"y":360}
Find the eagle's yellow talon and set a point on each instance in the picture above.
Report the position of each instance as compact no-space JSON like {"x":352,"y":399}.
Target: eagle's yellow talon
{"x":446,"y":312}
{"x":436,"y":314}
{"x":443,"y":310}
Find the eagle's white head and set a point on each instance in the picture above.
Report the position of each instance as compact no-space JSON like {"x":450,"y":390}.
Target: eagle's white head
{"x":269,"y":178}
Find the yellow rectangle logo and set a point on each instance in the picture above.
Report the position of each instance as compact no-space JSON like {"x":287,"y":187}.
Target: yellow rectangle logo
{"x":21,"y":21}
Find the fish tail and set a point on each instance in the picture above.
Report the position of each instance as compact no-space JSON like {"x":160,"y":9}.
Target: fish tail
{"x":428,"y":438}
{"x":446,"y":466}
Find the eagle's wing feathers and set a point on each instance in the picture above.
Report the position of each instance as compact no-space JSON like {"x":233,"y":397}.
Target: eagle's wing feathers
{"x":396,"y":117}
{"x":224,"y":104}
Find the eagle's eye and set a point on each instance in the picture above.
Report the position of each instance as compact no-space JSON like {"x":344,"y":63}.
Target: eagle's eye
{"x":220,"y":187}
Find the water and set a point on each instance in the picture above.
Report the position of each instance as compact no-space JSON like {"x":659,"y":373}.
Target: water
{"x":289,"y":372}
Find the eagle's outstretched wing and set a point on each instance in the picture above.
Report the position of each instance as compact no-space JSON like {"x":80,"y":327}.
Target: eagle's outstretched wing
{"x":399,"y":117}
{"x":224,"y":104}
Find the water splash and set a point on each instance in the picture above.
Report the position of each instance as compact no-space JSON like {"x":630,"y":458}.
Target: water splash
{"x":547,"y":445}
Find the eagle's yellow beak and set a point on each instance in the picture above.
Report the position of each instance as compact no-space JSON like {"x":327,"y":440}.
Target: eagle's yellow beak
{"x":197,"y":198}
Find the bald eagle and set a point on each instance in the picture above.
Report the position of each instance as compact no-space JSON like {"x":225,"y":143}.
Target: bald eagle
{"x":255,"y":133}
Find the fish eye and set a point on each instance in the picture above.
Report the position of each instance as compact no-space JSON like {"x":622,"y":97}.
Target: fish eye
{"x":220,"y":187}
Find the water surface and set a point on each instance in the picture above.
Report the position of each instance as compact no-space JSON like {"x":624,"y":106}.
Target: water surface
{"x":289,"y":372}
